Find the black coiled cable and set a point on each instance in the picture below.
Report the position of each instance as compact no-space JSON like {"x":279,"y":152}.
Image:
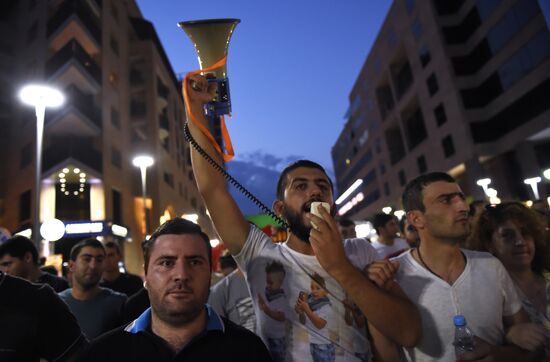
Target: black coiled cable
{"x":230,"y":178}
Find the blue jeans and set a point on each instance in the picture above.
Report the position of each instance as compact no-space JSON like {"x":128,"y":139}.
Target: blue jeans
{"x":322,"y":352}
{"x":277,"y":347}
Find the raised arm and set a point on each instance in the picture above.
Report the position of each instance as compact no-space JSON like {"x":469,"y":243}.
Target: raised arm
{"x":226,"y":215}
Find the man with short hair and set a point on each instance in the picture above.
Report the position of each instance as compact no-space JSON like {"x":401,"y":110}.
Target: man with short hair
{"x":388,"y":243}
{"x":306,"y":252}
{"x":19,"y":257}
{"x":97,"y":309}
{"x":230,"y":297}
{"x":112,"y":278}
{"x":444,"y":280}
{"x":35,"y":324}
{"x":179,"y":325}
{"x":347,"y":228}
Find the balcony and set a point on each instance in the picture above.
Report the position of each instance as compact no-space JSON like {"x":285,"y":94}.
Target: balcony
{"x":82,"y":12}
{"x":77,"y":148}
{"x":72,"y":54}
{"x":80,"y":115}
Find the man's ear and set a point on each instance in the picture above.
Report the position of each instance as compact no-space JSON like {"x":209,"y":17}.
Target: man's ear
{"x":278,"y":208}
{"x":416,"y":219}
{"x":27,"y":258}
{"x":71,"y":266}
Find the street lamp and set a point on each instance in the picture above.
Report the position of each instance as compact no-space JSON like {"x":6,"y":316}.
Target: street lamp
{"x":143,"y":161}
{"x":546,"y":174}
{"x":484,"y":183}
{"x":39,"y":97}
{"x":533,"y":181}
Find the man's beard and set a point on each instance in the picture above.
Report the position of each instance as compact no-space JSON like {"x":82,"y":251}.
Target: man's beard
{"x":296,"y":224}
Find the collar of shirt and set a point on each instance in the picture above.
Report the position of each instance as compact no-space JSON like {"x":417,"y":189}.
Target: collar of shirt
{"x":143,"y":322}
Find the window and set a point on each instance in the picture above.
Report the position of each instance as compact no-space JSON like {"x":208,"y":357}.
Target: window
{"x":116,"y":159}
{"x":26,"y":155}
{"x":433,"y":87}
{"x":402,"y":178}
{"x":169,"y":179}
{"x":117,"y":207}
{"x":460,"y":33}
{"x":25,"y":206}
{"x":425,"y":56}
{"x":394,"y":143}
{"x":115,"y":118}
{"x":114,"y":45}
{"x":421,"y":163}
{"x":440,"y":115}
{"x":415,"y":130}
{"x":448,"y":146}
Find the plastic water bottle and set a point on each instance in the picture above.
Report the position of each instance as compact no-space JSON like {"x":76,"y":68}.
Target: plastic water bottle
{"x":464,"y":338}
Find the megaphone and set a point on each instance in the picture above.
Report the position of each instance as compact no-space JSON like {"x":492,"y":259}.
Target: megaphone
{"x":211,"y":41}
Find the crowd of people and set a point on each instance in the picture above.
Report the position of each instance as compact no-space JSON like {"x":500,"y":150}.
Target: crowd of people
{"x":323,"y":295}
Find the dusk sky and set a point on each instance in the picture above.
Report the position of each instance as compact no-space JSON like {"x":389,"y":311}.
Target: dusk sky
{"x":291,"y":66}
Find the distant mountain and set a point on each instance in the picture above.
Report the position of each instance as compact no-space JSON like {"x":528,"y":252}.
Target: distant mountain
{"x":258,"y":172}
{"x":259,"y":180}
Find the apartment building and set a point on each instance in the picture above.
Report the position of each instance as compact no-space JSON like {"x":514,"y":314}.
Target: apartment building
{"x":459,"y":86}
{"x":122,"y":100}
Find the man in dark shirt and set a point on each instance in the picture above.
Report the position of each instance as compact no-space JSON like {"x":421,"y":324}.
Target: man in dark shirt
{"x":125,"y":283}
{"x":19,"y":257}
{"x":179,"y":325}
{"x":97,"y":309}
{"x":35,"y":323}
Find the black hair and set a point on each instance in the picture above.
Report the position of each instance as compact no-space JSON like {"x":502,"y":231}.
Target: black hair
{"x":17,"y":246}
{"x":94,"y":243}
{"x":282,"y":182}
{"x":113,"y":245}
{"x":227,"y":261}
{"x":380,"y":220}
{"x":345,"y":222}
{"x":177,"y":226}
{"x":412,"y":194}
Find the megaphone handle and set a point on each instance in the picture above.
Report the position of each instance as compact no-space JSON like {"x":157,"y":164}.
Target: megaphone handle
{"x":225,"y":133}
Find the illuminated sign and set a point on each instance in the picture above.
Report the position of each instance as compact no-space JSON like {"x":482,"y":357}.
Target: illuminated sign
{"x":119,"y":230}
{"x":351,"y":203}
{"x":94,"y":227}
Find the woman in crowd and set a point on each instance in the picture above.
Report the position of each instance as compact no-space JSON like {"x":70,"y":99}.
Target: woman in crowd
{"x":517,"y":237}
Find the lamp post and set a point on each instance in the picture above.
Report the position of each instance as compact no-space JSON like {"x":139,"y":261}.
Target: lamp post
{"x":533,"y":181}
{"x":39,"y":97}
{"x":143,"y":161}
{"x":484,"y":183}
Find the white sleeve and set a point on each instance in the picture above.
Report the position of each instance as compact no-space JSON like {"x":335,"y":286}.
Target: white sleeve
{"x":256,"y":241}
{"x":217,"y":298}
{"x":512,"y":302}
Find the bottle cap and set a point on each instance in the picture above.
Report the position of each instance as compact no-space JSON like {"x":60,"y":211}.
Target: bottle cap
{"x":459,"y":320}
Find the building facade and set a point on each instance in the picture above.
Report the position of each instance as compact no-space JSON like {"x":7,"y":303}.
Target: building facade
{"x":458,"y":86}
{"x":122,"y":100}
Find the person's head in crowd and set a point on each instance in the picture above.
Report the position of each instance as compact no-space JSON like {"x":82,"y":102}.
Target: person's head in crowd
{"x":113,"y":256}
{"x":436,"y":207}
{"x":19,"y":257}
{"x":408,"y":232}
{"x":347,"y":228}
{"x":177,"y":271}
{"x":386,"y":226}
{"x":515,"y":235}
{"x":300,"y":184}
{"x":227,"y":263}
{"x":476,"y":208}
{"x":86,"y":263}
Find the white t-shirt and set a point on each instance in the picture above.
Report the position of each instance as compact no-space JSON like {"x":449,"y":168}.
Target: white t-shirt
{"x":260,"y":251}
{"x":385,"y":250}
{"x":484,"y":294}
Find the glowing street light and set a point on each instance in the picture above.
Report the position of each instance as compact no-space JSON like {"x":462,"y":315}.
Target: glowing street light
{"x":533,"y":181}
{"x":484,"y":183}
{"x":546,"y":174}
{"x":143,"y":161}
{"x":39,"y":97}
